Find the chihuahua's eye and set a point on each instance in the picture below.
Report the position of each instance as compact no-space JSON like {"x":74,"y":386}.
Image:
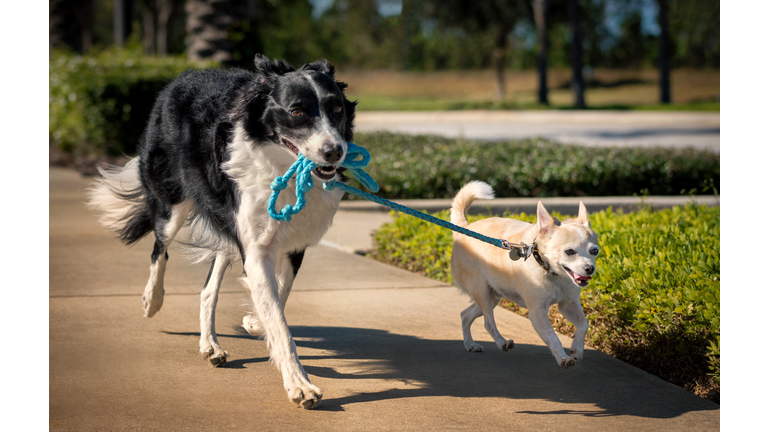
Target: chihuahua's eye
{"x":337,"y":109}
{"x":297,"y":112}
{"x":570,"y":251}
{"x":594,"y":251}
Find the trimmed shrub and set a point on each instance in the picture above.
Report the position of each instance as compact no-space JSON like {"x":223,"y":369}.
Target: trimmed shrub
{"x":100,"y":104}
{"x":655,"y":300}
{"x":435,"y":167}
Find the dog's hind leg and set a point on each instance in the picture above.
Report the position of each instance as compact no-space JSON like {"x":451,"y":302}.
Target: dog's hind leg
{"x":468,"y":316}
{"x":573,"y":312}
{"x":487,"y":304}
{"x":167,"y":225}
{"x":209,"y":344}
{"x":286,"y":269}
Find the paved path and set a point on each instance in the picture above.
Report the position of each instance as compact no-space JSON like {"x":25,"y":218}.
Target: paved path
{"x":383,"y":344}
{"x":593,"y":128}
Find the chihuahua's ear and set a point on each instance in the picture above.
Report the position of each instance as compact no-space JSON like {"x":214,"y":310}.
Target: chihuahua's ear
{"x":545,"y":222}
{"x":583,"y":217}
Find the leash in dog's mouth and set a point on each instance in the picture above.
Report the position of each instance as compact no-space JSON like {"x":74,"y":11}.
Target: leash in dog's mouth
{"x":325,"y":172}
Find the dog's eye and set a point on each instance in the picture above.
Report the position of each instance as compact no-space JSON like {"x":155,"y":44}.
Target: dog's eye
{"x":570,"y":251}
{"x":337,"y":109}
{"x":297,"y":112}
{"x":594,"y":251}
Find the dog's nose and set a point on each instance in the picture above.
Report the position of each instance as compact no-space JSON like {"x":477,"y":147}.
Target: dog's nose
{"x":589,"y":269}
{"x":332,"y":153}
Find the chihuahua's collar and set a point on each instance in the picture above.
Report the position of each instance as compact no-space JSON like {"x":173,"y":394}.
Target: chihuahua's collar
{"x":543,"y":264}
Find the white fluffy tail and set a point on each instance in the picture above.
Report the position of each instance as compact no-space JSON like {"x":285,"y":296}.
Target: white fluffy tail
{"x":470,"y":192}
{"x":118,"y":198}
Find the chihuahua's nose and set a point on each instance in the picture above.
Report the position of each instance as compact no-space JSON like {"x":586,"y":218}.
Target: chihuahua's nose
{"x":332,"y":153}
{"x":589,"y":269}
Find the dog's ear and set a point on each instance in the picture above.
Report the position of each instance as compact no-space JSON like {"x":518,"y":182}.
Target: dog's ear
{"x":267,"y":67}
{"x":545,"y":222}
{"x":583,"y":217}
{"x":323,"y":66}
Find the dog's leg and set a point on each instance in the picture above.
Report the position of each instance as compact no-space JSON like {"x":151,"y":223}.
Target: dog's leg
{"x":487,"y":304}
{"x":166,"y":227}
{"x":209,"y":344}
{"x":573,"y":312}
{"x":468,"y":316}
{"x":260,"y":268}
{"x":540,"y":319}
{"x":286,"y":269}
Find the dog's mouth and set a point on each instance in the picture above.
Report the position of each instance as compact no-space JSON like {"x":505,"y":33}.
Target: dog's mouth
{"x":578,"y":279}
{"x":324,"y":172}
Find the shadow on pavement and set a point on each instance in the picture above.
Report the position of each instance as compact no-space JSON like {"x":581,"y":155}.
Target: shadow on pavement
{"x":435,"y":368}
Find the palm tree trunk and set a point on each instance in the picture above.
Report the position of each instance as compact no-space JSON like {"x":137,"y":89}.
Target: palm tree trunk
{"x":577,"y":81}
{"x":208,"y":22}
{"x":540,"y":8}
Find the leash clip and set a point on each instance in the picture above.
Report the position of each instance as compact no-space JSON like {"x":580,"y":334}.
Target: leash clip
{"x":520,"y":251}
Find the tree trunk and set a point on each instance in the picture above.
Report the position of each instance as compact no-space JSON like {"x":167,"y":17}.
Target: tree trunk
{"x":664,"y":63}
{"x":499,"y":58}
{"x":540,"y":8}
{"x":148,"y":14}
{"x":577,"y":81}
{"x":208,"y":23}
{"x":123,"y":10}
{"x":165,"y":11}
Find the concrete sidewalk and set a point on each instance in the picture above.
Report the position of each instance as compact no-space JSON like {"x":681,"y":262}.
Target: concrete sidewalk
{"x":384,"y":345}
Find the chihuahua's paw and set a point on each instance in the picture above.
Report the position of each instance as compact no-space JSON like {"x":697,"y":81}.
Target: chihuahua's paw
{"x":577,"y":355}
{"x":508,"y":345}
{"x":567,"y":362}
{"x":474,"y":348}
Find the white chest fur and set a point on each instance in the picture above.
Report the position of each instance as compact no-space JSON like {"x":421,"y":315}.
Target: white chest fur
{"x":253,"y":168}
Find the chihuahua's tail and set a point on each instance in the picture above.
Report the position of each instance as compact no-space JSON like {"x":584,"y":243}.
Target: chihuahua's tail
{"x":470,"y":192}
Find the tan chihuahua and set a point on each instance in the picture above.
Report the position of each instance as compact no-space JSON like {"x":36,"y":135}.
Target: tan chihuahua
{"x":563,"y":262}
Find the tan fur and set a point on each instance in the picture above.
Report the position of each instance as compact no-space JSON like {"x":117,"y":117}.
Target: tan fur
{"x":486,"y":273}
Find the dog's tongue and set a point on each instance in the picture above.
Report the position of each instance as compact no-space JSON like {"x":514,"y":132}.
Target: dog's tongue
{"x":583,"y":278}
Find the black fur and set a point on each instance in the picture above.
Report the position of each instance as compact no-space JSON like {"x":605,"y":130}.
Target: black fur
{"x":190,"y":128}
{"x":296,"y":258}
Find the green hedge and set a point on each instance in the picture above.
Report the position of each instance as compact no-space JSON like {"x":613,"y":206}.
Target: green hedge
{"x":100,"y":104}
{"x":655,"y":300}
{"x":435,"y":167}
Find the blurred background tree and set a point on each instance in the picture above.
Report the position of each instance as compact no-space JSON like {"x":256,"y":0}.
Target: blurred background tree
{"x":413,"y":35}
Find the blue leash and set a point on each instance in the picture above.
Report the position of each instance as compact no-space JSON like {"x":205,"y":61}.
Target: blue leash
{"x":304,"y":183}
{"x":303,"y":169}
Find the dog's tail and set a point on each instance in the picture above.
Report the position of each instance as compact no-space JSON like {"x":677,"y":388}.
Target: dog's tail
{"x":119,"y":199}
{"x":470,"y":192}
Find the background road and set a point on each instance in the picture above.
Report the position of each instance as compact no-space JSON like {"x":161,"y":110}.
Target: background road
{"x":593,"y":128}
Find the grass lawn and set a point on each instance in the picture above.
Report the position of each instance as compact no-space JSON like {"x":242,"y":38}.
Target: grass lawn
{"x":692,"y":90}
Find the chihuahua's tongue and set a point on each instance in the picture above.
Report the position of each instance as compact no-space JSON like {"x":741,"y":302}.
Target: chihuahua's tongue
{"x":580,"y":278}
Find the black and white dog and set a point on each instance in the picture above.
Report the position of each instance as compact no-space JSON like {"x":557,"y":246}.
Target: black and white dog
{"x":214,"y":142}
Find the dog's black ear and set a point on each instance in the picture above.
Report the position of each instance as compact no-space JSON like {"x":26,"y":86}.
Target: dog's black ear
{"x":349,"y":108}
{"x":267,"y":67}
{"x":321,"y":65}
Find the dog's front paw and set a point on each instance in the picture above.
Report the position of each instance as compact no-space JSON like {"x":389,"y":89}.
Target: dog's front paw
{"x":507,"y":345}
{"x":152,"y":301}
{"x":474,"y":348}
{"x":306,"y":395}
{"x":215,"y":355}
{"x":567,"y":362}
{"x":577,"y":355}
